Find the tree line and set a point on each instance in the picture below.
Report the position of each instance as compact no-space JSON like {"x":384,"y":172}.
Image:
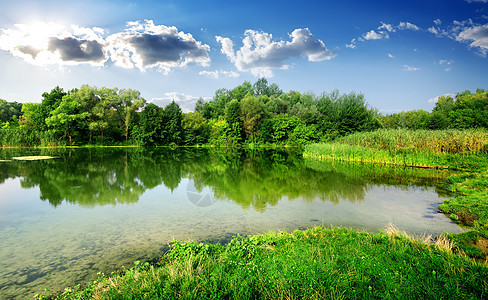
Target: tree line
{"x":259,"y":113}
{"x":462,"y":111}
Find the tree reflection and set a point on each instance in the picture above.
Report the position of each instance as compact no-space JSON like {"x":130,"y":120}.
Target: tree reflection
{"x":250,"y":178}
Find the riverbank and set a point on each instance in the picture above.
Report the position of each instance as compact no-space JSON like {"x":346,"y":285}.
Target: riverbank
{"x":315,"y":263}
{"x":458,"y":150}
{"x":327,"y":262}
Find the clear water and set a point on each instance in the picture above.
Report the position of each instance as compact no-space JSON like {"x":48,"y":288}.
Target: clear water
{"x":95,"y":210}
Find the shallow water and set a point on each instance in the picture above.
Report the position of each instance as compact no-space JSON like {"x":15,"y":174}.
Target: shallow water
{"x":95,"y":210}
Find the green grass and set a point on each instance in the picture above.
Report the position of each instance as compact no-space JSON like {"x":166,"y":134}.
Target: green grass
{"x":362,"y":154}
{"x":463,"y":151}
{"x":319,"y":263}
{"x":431,"y":141}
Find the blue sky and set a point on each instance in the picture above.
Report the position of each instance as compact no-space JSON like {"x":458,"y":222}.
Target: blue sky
{"x":400,"y":54}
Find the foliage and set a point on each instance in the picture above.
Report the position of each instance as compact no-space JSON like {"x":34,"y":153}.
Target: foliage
{"x":196,"y":129}
{"x":9,"y":110}
{"x":315,"y":263}
{"x":172,"y":131}
{"x":464,"y":110}
{"x":253,"y":113}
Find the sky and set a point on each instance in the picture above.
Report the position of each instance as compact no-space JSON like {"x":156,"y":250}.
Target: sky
{"x":401,"y":55}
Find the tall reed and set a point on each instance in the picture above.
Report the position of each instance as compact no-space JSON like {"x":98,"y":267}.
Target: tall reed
{"x":444,"y":141}
{"x":420,"y":148}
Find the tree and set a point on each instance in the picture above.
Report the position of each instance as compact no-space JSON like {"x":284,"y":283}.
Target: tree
{"x":151,"y":123}
{"x":261,"y":87}
{"x":209,"y":111}
{"x":129,"y":102}
{"x":241,"y":91}
{"x":251,"y":114}
{"x":438,"y":120}
{"x":173,"y":131}
{"x":88,"y":99}
{"x":195,"y":128}
{"x":103,"y":113}
{"x":200,"y":105}
{"x":32,"y":116}
{"x":50,"y":101}
{"x":8,"y":110}
{"x":233,"y":118}
{"x":444,"y":105}
{"x":67,"y":117}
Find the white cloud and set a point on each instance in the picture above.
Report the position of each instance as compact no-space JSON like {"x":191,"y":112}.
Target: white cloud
{"x":145,"y":45}
{"x":408,"y":25}
{"x":50,"y":43}
{"x":261,"y":55}
{"x":186,"y":102}
{"x":409,"y":68}
{"x":435,"y":99}
{"x":373,"y":35}
{"x":391,"y":55}
{"x":141,"y":45}
{"x":476,"y":36}
{"x":352,"y":45}
{"x":437,"y":22}
{"x":471,"y":1}
{"x":216,"y":74}
{"x":446,"y":62}
{"x":387,"y":27}
{"x":448,"y":69}
{"x":434,"y":30}
{"x":383,"y":32}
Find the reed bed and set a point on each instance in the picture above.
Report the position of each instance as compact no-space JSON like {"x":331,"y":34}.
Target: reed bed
{"x":361,"y":154}
{"x":420,"y":148}
{"x":437,"y":141}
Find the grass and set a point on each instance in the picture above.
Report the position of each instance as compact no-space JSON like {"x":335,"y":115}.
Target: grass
{"x":422,"y":148}
{"x":319,"y":263}
{"x":463,"y":151}
{"x":431,"y":141}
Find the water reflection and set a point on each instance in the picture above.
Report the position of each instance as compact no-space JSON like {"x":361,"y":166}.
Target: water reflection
{"x":103,"y":208}
{"x":250,"y":178}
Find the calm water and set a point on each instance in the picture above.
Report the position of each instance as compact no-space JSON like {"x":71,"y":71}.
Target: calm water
{"x":95,"y":210}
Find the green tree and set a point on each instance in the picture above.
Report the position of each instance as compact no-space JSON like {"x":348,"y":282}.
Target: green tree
{"x":173,"y":131}
{"x":129,"y":102}
{"x":438,"y":120}
{"x":195,"y":127}
{"x":151,"y":123}
{"x":241,"y":91}
{"x":233,"y":118}
{"x":50,"y":101}
{"x":32,"y":117}
{"x":67,"y":118}
{"x":8,"y":110}
{"x":199,"y":106}
{"x":252,"y":115}
{"x":444,"y":105}
{"x":103,"y":113}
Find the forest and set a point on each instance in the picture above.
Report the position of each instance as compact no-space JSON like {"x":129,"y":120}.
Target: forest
{"x":259,"y":113}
